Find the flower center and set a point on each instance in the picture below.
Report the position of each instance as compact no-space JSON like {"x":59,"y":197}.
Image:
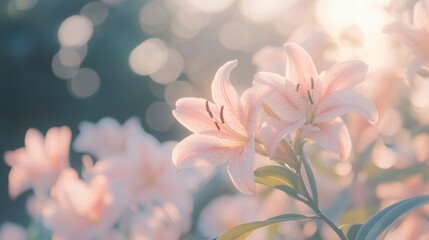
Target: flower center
{"x":221,"y":124}
{"x":308,"y":95}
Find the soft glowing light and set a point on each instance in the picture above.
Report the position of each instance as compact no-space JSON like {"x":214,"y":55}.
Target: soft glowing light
{"x":62,"y":71}
{"x":170,"y":70}
{"x":228,"y":36}
{"x":211,"y":6}
{"x":353,"y":23}
{"x":148,"y":57}
{"x":75,"y":31}
{"x":159,"y":117}
{"x":176,"y":90}
{"x":263,"y":11}
{"x":153,"y":17}
{"x":343,"y":168}
{"x":97,"y":12}
{"x":187,"y":23}
{"x":24,"y":5}
{"x":69,"y":57}
{"x":85,"y":84}
{"x":384,"y":157}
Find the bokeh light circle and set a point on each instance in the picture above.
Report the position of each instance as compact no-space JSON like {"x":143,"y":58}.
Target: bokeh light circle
{"x":85,"y":83}
{"x":148,"y":57}
{"x":75,"y":31}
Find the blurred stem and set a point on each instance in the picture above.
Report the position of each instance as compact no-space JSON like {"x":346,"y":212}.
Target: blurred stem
{"x":308,"y":200}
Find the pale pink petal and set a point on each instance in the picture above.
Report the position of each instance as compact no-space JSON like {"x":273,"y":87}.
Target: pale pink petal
{"x":270,"y":59}
{"x":405,"y":33}
{"x":421,"y":14}
{"x":224,"y":94}
{"x":195,"y":115}
{"x":252,"y":99}
{"x":284,"y":103}
{"x":34,"y":144}
{"x":332,"y":136}
{"x":300,"y":70}
{"x":240,"y":168}
{"x":57,"y":143}
{"x":344,"y":101}
{"x":209,"y":149}
{"x":74,"y":193}
{"x":273,"y":131}
{"x":19,"y":181}
{"x":415,"y":65}
{"x":343,"y":75}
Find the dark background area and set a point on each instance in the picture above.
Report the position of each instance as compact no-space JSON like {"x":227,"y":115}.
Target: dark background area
{"x":31,"y":96}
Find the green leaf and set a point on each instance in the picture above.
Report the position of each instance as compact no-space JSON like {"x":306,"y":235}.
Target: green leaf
{"x":382,"y":220}
{"x":278,"y":177}
{"x":311,"y":180}
{"x":351,"y":230}
{"x":243,"y":231}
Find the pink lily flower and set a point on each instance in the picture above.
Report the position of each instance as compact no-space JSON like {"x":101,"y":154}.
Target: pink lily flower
{"x":81,"y":210}
{"x":312,"y":103}
{"x":38,"y":164}
{"x":224,"y":131}
{"x":416,"y":36}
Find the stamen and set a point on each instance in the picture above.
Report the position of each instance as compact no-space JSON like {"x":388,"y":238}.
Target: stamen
{"x":208,"y":109}
{"x":309,"y":96}
{"x":297,"y":87}
{"x":217,"y":126}
{"x":312,"y":83}
{"x":221,"y":115}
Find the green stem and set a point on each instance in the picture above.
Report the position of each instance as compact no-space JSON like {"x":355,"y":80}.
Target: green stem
{"x":308,"y":200}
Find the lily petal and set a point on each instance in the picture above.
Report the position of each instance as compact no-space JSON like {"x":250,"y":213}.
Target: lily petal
{"x":414,"y":66}
{"x":224,"y":94}
{"x":300,"y":69}
{"x":252,"y":99}
{"x":344,"y":101}
{"x":421,"y":14}
{"x":210,"y":148}
{"x":332,"y":136}
{"x":343,"y":75}
{"x":195,"y":115}
{"x":273,"y":131}
{"x":285,"y":102}
{"x":405,"y":33}
{"x":240,"y":168}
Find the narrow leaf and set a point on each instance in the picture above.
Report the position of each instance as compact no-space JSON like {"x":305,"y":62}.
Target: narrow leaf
{"x":243,"y":231}
{"x":277,"y":177}
{"x":381,"y":221}
{"x":311,"y":180}
{"x":351,"y":230}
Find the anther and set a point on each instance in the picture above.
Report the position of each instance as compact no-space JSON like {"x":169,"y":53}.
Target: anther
{"x":312,"y":83}
{"x":297,"y":87}
{"x":217,"y":126}
{"x":221,"y":115}
{"x":309,"y":96}
{"x":208,"y":109}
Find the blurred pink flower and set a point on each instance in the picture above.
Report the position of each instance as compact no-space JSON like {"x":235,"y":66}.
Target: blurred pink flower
{"x":12,"y":231}
{"x":150,"y":178}
{"x":107,"y":138}
{"x":312,"y":103}
{"x":226,"y":212}
{"x":81,"y":210}
{"x":38,"y":164}
{"x":416,"y":36}
{"x":155,"y":224}
{"x":223,"y":130}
